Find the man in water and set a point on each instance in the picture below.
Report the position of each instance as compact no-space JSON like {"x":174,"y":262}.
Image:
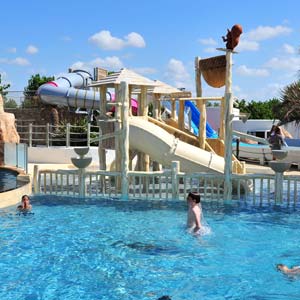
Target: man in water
{"x":25,"y":204}
{"x":288,"y":271}
{"x":194,"y":212}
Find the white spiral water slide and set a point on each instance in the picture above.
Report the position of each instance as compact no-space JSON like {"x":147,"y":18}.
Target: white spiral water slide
{"x":71,"y":89}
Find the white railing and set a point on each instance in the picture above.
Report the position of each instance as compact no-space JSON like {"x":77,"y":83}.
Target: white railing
{"x":257,"y":188}
{"x":61,"y":135}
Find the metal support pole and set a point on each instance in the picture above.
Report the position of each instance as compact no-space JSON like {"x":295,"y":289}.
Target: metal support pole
{"x":30,"y":135}
{"x":68,"y":135}
{"x":88,"y":134}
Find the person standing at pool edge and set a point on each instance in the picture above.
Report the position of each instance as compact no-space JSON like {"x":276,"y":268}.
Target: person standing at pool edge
{"x":25,"y":206}
{"x":194,"y":212}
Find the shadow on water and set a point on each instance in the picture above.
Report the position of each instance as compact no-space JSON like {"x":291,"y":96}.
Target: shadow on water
{"x":150,"y":249}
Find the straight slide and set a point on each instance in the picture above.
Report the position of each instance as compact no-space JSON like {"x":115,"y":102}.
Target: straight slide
{"x":195,"y":116}
{"x":164,"y":148}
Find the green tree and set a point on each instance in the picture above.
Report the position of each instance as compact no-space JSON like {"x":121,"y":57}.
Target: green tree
{"x":10,"y":103}
{"x":288,"y":109}
{"x":258,"y":109}
{"x":30,"y":90}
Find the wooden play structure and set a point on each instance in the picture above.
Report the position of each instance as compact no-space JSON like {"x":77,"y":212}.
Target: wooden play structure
{"x":127,"y":84}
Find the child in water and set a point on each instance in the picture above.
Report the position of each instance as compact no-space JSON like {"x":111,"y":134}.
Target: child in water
{"x":25,"y":204}
{"x":194,"y":212}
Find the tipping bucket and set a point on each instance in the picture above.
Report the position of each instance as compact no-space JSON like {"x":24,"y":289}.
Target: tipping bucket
{"x":213,"y":70}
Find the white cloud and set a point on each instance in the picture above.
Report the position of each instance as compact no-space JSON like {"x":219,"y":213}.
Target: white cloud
{"x":289,"y":63}
{"x":208,"y":42}
{"x":267,"y":32}
{"x":19,"y":61}
{"x":12,"y":50}
{"x":289,"y":49}
{"x":32,"y":49}
{"x":245,"y":71}
{"x":246,"y":45}
{"x":106,"y":41}
{"x":111,"y":63}
{"x":135,"y":40}
{"x":177,"y":73}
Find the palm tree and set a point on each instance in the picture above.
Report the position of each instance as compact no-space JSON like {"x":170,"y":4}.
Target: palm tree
{"x":288,"y":109}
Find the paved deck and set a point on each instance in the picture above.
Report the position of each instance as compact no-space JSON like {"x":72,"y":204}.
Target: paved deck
{"x":256,"y":168}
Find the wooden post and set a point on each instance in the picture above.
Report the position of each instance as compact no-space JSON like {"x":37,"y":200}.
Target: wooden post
{"x":200,"y":106}
{"x":228,"y":127}
{"x":145,"y":160}
{"x":278,"y":187}
{"x":129,"y":101}
{"x":101,"y":150}
{"x":175,"y":168}
{"x":35,"y":179}
{"x":125,"y":138}
{"x":222,"y":120}
{"x":181,"y":115}
{"x":156,"y":106}
{"x":173,"y":110}
{"x":118,"y":138}
{"x":47,"y":135}
{"x":157,"y":115}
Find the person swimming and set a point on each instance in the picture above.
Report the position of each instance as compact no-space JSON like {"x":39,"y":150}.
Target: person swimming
{"x":295,"y":270}
{"x":194,"y":212}
{"x":25,"y":204}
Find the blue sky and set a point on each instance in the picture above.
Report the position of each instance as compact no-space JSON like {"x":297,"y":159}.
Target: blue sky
{"x":158,"y":39}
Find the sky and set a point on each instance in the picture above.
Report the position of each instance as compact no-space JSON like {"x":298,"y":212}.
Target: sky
{"x":157,"y":39}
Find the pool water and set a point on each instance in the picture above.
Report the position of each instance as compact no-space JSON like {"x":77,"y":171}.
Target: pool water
{"x":108,"y":249}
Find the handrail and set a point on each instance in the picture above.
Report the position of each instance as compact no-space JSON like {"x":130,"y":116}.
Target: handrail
{"x":250,"y":137}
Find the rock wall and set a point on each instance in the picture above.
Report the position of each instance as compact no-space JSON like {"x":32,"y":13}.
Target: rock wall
{"x":8,"y":132}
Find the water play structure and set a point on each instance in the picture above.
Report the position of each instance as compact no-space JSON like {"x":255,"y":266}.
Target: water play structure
{"x":192,"y":157}
{"x":162,"y":142}
{"x":145,"y":136}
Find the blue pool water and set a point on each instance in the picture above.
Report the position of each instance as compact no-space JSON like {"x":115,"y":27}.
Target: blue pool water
{"x":105,"y":249}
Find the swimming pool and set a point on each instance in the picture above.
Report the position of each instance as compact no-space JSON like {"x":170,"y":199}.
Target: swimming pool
{"x":108,"y":249}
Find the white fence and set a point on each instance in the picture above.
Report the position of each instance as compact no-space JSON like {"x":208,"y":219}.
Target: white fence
{"x":257,"y":188}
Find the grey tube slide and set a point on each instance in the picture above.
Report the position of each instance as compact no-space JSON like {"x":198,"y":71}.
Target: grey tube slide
{"x":70,"y":90}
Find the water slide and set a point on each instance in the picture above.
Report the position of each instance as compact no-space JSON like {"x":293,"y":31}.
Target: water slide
{"x":165,"y":147}
{"x":195,"y":116}
{"x":71,"y":90}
